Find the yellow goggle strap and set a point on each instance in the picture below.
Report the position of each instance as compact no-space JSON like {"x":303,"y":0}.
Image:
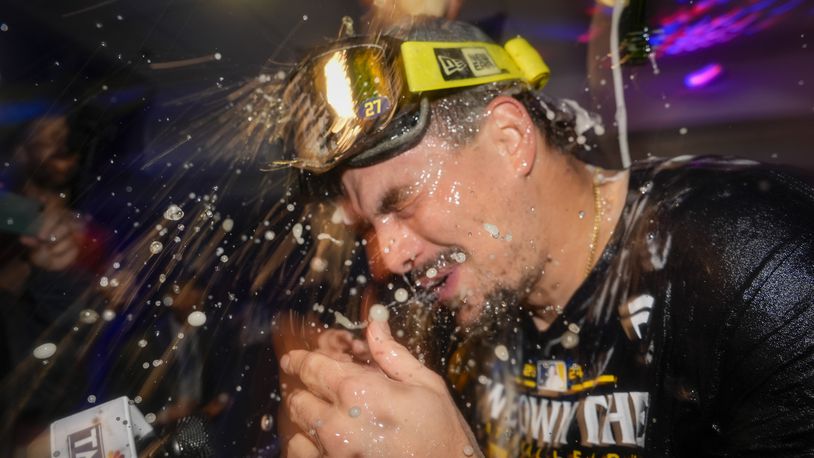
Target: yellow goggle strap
{"x":432,"y":66}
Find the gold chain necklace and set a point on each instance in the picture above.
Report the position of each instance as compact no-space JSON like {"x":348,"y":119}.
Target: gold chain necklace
{"x":597,"y":222}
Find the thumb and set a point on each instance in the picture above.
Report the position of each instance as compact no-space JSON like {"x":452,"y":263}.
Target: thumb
{"x":29,"y":241}
{"x":392,"y":357}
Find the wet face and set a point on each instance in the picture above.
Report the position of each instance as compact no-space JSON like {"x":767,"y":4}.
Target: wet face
{"x":460,"y":223}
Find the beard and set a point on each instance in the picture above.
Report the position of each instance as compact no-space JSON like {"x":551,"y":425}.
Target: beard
{"x":432,"y":332}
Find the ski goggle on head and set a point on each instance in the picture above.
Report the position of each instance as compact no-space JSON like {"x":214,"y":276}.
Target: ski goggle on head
{"x":365,"y":99}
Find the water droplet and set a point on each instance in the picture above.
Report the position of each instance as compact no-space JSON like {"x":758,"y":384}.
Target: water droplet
{"x":4,"y":27}
{"x":354,"y":411}
{"x":224,"y":258}
{"x":173,"y":213}
{"x":581,"y":214}
{"x":569,"y":340}
{"x":157,"y":362}
{"x":218,"y":56}
{"x":269,"y":235}
{"x":196,"y":318}
{"x":150,"y":418}
{"x":682,"y":131}
{"x":228,"y":224}
{"x":92,"y":399}
{"x":401,"y":295}
{"x":379,"y":313}
{"x":142,"y":343}
{"x":468,"y":450}
{"x":296,"y":231}
{"x":266,"y":422}
{"x":502,"y":352}
{"x":88,"y":316}
{"x":156,"y":247}
{"x":492,"y":230}
{"x":45,"y":350}
{"x":108,"y":315}
{"x":432,"y":272}
{"x":319,"y":264}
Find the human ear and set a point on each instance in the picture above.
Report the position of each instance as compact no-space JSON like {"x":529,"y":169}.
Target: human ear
{"x":512,"y":131}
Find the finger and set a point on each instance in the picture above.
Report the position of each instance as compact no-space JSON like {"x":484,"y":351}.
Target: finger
{"x":301,"y":447}
{"x":63,"y":260}
{"x":61,"y":246}
{"x":48,"y":221}
{"x":29,"y":241}
{"x":306,"y":410}
{"x":39,"y":257}
{"x":361,"y":351}
{"x":453,"y":8}
{"x":392,"y":357}
{"x":335,"y":343}
{"x":54,"y":231}
{"x":321,"y":374}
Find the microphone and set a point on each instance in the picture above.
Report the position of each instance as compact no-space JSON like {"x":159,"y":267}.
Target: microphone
{"x":189,"y":439}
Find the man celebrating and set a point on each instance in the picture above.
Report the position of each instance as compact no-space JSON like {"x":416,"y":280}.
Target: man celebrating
{"x":662,"y":311}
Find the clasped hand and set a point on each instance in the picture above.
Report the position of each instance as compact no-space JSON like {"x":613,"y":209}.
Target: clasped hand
{"x":393,"y":407}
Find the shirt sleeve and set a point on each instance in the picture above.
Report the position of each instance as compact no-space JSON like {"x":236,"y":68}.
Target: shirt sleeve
{"x":742,"y":320}
{"x":765,"y":400}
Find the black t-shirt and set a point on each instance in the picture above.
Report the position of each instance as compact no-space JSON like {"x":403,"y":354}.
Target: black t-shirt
{"x":692,"y":336}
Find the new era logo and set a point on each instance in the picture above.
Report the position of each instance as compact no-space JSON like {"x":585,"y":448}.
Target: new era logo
{"x":450,"y":66}
{"x":462,"y":63}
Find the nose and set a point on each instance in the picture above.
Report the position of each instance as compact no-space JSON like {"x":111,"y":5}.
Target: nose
{"x":399,"y":246}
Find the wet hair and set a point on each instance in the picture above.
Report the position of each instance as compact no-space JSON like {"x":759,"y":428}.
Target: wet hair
{"x":456,"y":115}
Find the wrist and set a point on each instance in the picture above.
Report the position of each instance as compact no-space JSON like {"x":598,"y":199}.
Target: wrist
{"x":467,"y":443}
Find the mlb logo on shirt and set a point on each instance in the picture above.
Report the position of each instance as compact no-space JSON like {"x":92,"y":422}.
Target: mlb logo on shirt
{"x":552,"y":376}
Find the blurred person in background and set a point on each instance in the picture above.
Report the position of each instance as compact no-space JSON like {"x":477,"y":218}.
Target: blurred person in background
{"x":50,"y":253}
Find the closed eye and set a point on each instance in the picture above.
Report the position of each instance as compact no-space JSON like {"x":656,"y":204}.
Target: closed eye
{"x":396,"y":200}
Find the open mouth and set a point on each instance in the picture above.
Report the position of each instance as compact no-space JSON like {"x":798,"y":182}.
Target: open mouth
{"x":430,"y":287}
{"x":435,"y":282}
